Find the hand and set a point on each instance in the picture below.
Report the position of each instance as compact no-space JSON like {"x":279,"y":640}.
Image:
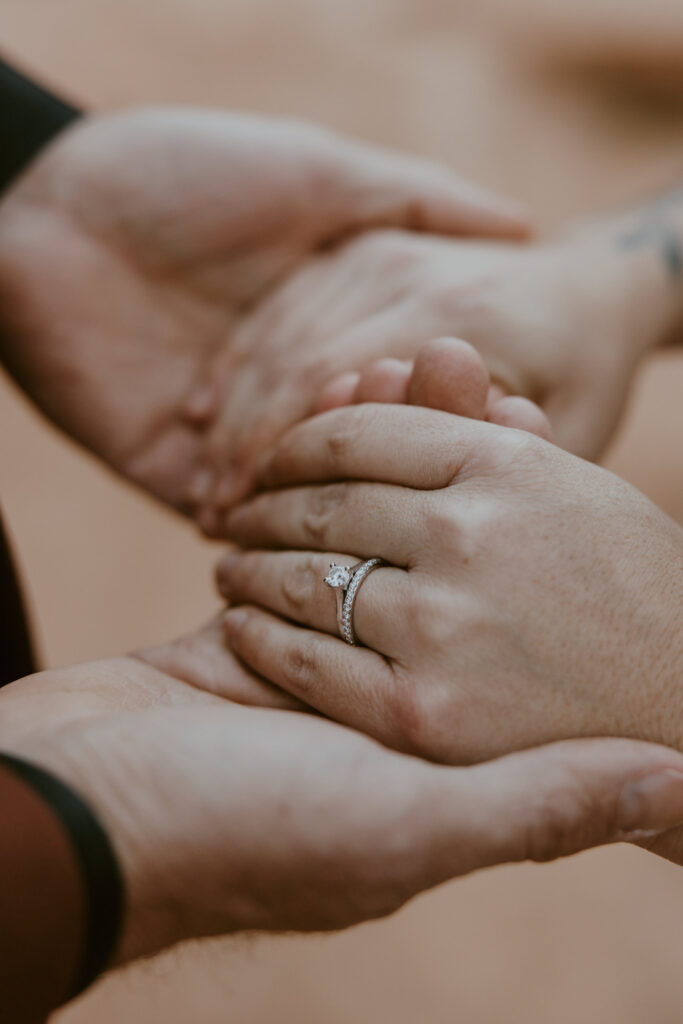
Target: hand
{"x":131,"y":250}
{"x":563,"y":323}
{"x":530,"y":597}
{"x":227,"y":819}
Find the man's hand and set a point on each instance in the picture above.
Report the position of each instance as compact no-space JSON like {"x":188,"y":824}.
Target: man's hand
{"x":229,"y":819}
{"x":529,"y":596}
{"x":131,"y":250}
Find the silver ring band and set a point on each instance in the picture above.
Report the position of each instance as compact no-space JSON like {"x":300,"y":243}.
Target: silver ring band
{"x":346,"y":629}
{"x":346,"y":580}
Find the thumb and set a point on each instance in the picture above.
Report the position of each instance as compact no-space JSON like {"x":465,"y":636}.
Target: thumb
{"x":550,"y":802}
{"x":378,"y":188}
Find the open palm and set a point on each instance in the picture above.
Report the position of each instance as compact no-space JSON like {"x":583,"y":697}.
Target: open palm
{"x":131,"y":248}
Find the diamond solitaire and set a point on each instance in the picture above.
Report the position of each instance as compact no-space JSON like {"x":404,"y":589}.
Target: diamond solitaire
{"x":338,"y":576}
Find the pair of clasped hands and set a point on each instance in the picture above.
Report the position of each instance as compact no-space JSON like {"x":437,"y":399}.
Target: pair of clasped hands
{"x":261,"y":324}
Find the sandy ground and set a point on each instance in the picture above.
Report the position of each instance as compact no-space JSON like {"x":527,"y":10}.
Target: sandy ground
{"x":571,"y":106}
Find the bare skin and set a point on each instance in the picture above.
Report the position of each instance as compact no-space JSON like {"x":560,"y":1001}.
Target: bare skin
{"x":448,"y":374}
{"x":135,"y":246}
{"x":531,"y":596}
{"x":562,"y":322}
{"x":221,"y":825}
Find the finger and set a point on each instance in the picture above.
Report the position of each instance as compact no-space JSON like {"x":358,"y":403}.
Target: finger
{"x":209,"y":519}
{"x":384,"y":380}
{"x":200,"y":486}
{"x":549,"y":802}
{"x":665,"y":844}
{"x":337,"y":393}
{"x":372,"y":520}
{"x":292,"y":584}
{"x":353,"y":685}
{"x":520,"y":413}
{"x":381,"y":188}
{"x":204,"y":659}
{"x":449,"y":374}
{"x":420,"y":448}
{"x":201,"y":405}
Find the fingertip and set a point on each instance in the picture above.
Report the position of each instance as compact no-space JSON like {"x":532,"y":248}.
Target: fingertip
{"x":234,"y":621}
{"x":450,"y":375}
{"x":201,"y":486}
{"x":384,"y":380}
{"x":481,"y":212}
{"x":521,"y":414}
{"x":208,"y":520}
{"x":337,"y":393}
{"x":223,"y":572}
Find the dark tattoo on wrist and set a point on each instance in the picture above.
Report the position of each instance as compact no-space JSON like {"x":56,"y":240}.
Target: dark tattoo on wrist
{"x":654,"y":227}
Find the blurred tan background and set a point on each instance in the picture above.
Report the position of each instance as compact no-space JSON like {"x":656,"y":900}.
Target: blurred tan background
{"x":570,"y":105}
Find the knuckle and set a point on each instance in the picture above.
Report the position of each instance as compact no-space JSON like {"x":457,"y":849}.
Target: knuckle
{"x":430,"y":620}
{"x":300,"y":666}
{"x":346,"y":437}
{"x":297,"y":586}
{"x":408,"y":716}
{"x":442,"y":522}
{"x":530,"y":447}
{"x":339,"y":445}
{"x":565,"y":824}
{"x":519,"y":451}
{"x":325,"y":505}
{"x":466,"y":526}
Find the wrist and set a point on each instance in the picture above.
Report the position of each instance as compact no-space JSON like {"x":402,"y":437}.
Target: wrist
{"x":174,"y":889}
{"x":627,"y":291}
{"x":633,"y":264}
{"x":30,"y":117}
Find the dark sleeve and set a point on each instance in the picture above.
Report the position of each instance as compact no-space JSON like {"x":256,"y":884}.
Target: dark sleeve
{"x":29,"y":117}
{"x":16,"y":649}
{"x":61,"y":894}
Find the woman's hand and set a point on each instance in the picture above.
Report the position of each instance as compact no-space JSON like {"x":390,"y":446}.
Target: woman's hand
{"x":229,"y":819}
{"x":563,"y":323}
{"x":530,"y":596}
{"x":132,"y":249}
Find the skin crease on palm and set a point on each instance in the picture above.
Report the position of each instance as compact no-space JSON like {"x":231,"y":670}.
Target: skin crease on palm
{"x":137,"y":245}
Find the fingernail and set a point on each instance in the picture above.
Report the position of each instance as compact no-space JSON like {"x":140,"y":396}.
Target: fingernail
{"x":652,"y":803}
{"x":234,"y":620}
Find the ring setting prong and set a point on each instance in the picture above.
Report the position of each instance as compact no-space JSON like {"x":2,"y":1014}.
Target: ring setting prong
{"x":338,"y":577}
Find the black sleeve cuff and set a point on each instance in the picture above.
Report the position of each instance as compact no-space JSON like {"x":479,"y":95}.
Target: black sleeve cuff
{"x":102,"y":881}
{"x":29,"y":117}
